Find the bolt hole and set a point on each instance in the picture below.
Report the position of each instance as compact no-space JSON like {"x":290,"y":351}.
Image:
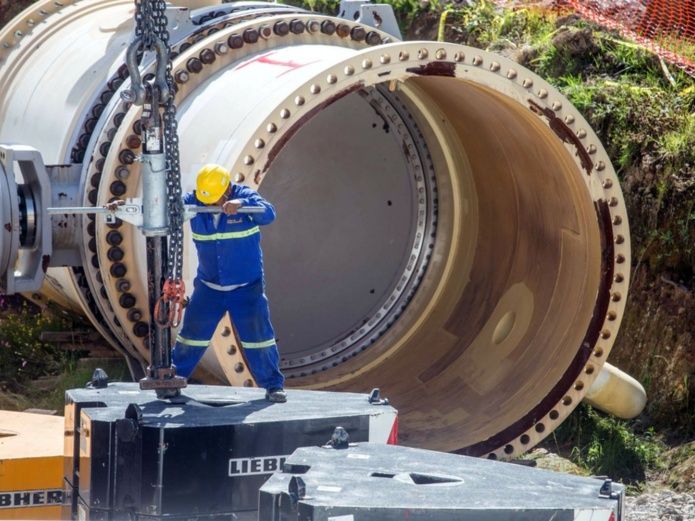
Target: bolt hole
{"x":540,"y":427}
{"x":554,"y":415}
{"x":389,"y":203}
{"x":371,"y":291}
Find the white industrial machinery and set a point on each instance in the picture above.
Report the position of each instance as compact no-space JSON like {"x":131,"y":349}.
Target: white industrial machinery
{"x":450,"y":229}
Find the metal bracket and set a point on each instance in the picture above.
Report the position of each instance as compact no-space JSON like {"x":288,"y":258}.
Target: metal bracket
{"x":379,"y":16}
{"x":25,"y":237}
{"x":376,"y":399}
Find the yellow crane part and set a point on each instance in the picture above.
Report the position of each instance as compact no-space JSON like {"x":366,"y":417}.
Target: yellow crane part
{"x":31,"y":465}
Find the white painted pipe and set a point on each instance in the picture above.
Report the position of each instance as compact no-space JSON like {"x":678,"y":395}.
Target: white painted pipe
{"x":616,"y":392}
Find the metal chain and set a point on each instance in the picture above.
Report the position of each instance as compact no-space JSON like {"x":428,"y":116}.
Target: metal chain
{"x":151,"y":24}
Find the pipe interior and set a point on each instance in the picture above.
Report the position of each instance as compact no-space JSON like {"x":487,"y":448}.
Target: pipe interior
{"x":511,"y":288}
{"x":353,"y":216}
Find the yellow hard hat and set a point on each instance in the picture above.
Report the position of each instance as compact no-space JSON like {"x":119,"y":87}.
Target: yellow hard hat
{"x":211,"y":183}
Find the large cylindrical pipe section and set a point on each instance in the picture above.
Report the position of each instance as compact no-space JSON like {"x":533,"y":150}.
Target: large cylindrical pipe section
{"x":450,"y":229}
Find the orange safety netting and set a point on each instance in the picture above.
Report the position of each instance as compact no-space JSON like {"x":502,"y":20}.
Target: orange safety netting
{"x":666,"y":27}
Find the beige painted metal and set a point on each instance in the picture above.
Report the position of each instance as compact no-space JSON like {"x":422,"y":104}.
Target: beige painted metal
{"x":225,"y":347}
{"x":526,"y":280}
{"x":556,"y":281}
{"x":617,"y":393}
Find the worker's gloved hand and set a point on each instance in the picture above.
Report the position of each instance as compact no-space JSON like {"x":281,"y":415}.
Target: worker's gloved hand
{"x":231,"y":207}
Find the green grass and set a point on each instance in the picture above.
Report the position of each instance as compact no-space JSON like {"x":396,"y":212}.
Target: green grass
{"x":35,"y":374}
{"x":32,"y":394}
{"x":607,"y":446}
{"x":23,"y":356}
{"x":405,"y":10}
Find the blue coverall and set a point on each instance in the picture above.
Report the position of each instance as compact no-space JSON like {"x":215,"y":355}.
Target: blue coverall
{"x":230,"y":278}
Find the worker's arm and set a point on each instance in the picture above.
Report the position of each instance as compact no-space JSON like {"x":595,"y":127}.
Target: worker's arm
{"x":189,"y":198}
{"x":249,"y":197}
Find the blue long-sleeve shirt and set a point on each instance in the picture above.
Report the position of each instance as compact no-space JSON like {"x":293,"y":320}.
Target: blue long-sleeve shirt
{"x":229,"y":252}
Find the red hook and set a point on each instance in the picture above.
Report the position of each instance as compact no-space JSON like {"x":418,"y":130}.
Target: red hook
{"x":173,"y":293}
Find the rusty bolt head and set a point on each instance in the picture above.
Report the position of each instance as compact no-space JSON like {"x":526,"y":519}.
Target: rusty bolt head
{"x":373,"y":38}
{"x":114,"y":238}
{"x":358,"y":34}
{"x":235,"y":41}
{"x":251,"y":35}
{"x":117,"y":270}
{"x":182,"y":76}
{"x":342,"y":30}
{"x":281,"y":28}
{"x":133,"y":141}
{"x":297,"y":26}
{"x":127,"y":157}
{"x":118,"y":188}
{"x":122,"y":173}
{"x":141,"y":329}
{"x":127,"y":300}
{"x":265,"y":31}
{"x":194,"y":65}
{"x":328,"y":27}
{"x":207,"y":56}
{"x":115,"y":254}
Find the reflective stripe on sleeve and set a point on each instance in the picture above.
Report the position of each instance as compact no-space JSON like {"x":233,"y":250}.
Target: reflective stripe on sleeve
{"x":226,"y":235}
{"x":194,"y":343}
{"x":258,"y":345}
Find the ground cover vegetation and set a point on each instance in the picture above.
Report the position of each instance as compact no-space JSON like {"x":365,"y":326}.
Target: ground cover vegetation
{"x":35,"y":373}
{"x":644,"y":113}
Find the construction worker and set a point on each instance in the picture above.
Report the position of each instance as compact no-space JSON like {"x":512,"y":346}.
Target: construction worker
{"x":229,"y":278}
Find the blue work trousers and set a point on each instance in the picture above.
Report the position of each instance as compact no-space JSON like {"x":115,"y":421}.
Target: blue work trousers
{"x":248,"y":307}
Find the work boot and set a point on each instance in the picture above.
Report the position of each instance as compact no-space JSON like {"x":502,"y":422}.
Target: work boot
{"x":276,"y":395}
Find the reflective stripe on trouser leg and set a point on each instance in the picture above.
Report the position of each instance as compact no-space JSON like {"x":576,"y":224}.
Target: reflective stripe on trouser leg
{"x":249,"y":309}
{"x":203,"y":313}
